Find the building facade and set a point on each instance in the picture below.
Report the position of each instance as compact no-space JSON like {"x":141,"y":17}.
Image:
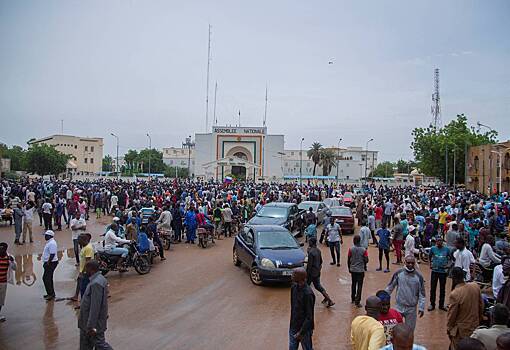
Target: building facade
{"x":251,"y":153}
{"x":488,"y":168}
{"x":86,"y":152}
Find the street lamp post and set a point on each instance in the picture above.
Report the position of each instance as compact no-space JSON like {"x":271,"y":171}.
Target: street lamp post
{"x":117,"y":161}
{"x":337,"y":159}
{"x":301,"y":162}
{"x":366,"y":158}
{"x":188,"y":144}
{"x":150,"y":148}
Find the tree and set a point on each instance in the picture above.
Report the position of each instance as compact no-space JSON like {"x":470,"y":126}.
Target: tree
{"x":384,"y":169}
{"x":405,"y":166}
{"x":17,"y":156}
{"x":314,"y":153}
{"x":156,"y":160}
{"x":327,"y":160}
{"x":170,"y":171}
{"x":131,"y":159}
{"x":43,"y":159}
{"x":107,"y":163}
{"x":433,"y":147}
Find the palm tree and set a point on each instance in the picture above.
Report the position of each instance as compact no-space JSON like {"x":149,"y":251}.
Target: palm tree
{"x":314,"y":153}
{"x":327,"y":161}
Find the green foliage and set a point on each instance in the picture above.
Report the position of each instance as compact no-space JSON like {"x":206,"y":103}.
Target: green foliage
{"x":327,"y":160}
{"x":314,"y":153}
{"x":181,"y":172}
{"x":43,"y":159}
{"x":131,"y":159}
{"x":107,"y":163}
{"x":431,"y":147}
{"x":17,"y":156}
{"x":387,"y":169}
{"x":156,"y":160}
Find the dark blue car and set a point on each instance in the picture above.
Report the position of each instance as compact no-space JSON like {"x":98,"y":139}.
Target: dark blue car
{"x":269,"y":251}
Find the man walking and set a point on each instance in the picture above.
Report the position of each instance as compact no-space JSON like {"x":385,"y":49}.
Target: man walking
{"x":398,"y":239}
{"x":302,"y":301}
{"x":50,"y":262}
{"x":384,"y":247}
{"x":334,"y":240}
{"x":78,"y":226}
{"x":7,"y":266}
{"x":410,"y":291}
{"x":439,"y":258}
{"x":357,"y":260}
{"x":46,"y":211}
{"x":465,"y":310}
{"x":28,"y":216}
{"x":93,"y":316}
{"x":18,"y":223}
{"x":313,"y":270}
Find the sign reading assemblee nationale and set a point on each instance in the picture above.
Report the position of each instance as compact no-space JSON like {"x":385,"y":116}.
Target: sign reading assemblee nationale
{"x":238,"y":130}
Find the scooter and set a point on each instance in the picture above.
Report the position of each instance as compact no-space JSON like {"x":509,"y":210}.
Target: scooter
{"x":108,"y":262}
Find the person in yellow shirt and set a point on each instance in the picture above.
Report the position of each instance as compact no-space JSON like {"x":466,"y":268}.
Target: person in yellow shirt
{"x":86,"y":254}
{"x":442,"y":220}
{"x":366,"y":332}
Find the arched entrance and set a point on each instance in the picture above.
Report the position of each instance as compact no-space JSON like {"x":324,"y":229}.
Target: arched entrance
{"x":238,"y":171}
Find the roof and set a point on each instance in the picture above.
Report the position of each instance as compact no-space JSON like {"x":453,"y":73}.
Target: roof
{"x":271,"y":228}
{"x":280,"y":204}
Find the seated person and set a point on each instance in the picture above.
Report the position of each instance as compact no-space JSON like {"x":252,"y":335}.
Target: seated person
{"x":111,"y":242}
{"x":143,"y":244}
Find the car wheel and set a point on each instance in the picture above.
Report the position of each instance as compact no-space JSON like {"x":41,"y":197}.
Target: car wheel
{"x":235,"y":258}
{"x":255,"y":275}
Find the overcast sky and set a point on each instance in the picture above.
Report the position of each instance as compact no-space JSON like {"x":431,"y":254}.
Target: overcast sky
{"x":132,"y":67}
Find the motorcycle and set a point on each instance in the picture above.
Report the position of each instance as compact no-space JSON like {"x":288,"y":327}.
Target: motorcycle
{"x":204,"y":236}
{"x":108,"y":262}
{"x":166,"y":238}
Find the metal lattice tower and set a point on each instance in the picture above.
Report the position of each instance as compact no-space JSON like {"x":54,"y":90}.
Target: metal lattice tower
{"x":436,"y":102}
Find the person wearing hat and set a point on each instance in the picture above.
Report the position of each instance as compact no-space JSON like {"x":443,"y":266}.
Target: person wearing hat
{"x":50,"y":262}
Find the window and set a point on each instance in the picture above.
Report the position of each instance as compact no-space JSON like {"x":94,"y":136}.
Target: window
{"x":85,"y":160}
{"x":291,"y":153}
{"x":286,"y":164}
{"x":477,"y":163}
{"x":297,"y":165}
{"x":91,"y":160}
{"x":91,"y":148}
{"x":86,"y":148}
{"x":75,"y":147}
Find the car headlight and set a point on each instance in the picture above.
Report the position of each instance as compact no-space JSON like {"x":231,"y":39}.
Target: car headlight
{"x":306,"y":260}
{"x":267,"y":263}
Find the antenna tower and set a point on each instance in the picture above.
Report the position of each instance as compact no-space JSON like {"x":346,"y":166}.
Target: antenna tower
{"x":207,"y":92}
{"x":436,"y":102}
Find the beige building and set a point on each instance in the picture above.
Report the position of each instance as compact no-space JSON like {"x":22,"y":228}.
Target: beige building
{"x":488,"y":168}
{"x":86,"y":152}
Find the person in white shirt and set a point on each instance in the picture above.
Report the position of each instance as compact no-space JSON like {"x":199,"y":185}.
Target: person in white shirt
{"x":365,"y":235}
{"x":50,"y":262}
{"x":46,"y":211}
{"x":409,"y":244}
{"x":114,"y":200}
{"x":78,"y":226}
{"x":111,"y":242}
{"x":463,"y":257}
{"x":488,"y":258}
{"x":498,"y":279}
{"x":165,"y":219}
{"x":28,"y":216}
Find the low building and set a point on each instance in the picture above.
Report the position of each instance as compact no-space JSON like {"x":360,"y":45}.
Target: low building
{"x":252,"y":153}
{"x":86,"y":152}
{"x":488,"y":168}
{"x":5,"y":166}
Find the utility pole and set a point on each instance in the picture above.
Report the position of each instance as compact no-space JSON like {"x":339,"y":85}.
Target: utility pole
{"x":265,"y":111}
{"x":62,"y":126}
{"x":366,"y":159}
{"x":117,"y":162}
{"x":337,"y":159}
{"x":150,"y":149}
{"x":301,"y":162}
{"x":446,"y":171}
{"x":207,"y":84}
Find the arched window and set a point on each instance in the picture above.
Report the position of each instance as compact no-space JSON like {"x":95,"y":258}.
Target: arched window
{"x":506,"y":163}
{"x":241,"y":155}
{"x":477,"y":163}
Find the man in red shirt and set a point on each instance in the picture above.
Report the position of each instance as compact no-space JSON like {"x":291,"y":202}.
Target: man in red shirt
{"x":378,"y":215}
{"x":388,"y":317}
{"x":6,"y":263}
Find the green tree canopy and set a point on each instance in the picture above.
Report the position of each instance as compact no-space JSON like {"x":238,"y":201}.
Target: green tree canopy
{"x":433,"y":147}
{"x":107,"y":163}
{"x":327,"y":160}
{"x":156,"y":160}
{"x":43,"y":159}
{"x":17,"y":156}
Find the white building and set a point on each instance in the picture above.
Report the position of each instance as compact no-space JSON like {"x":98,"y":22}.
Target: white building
{"x":86,"y":152}
{"x":249,"y":152}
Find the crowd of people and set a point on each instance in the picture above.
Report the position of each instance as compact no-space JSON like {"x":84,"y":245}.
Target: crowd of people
{"x":461,"y":234}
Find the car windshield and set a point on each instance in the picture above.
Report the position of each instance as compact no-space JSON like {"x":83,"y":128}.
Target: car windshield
{"x":276,"y":240}
{"x":348,"y":195}
{"x":341,"y":212}
{"x":331,"y":202}
{"x":273,"y":212}
{"x":306,"y":206}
